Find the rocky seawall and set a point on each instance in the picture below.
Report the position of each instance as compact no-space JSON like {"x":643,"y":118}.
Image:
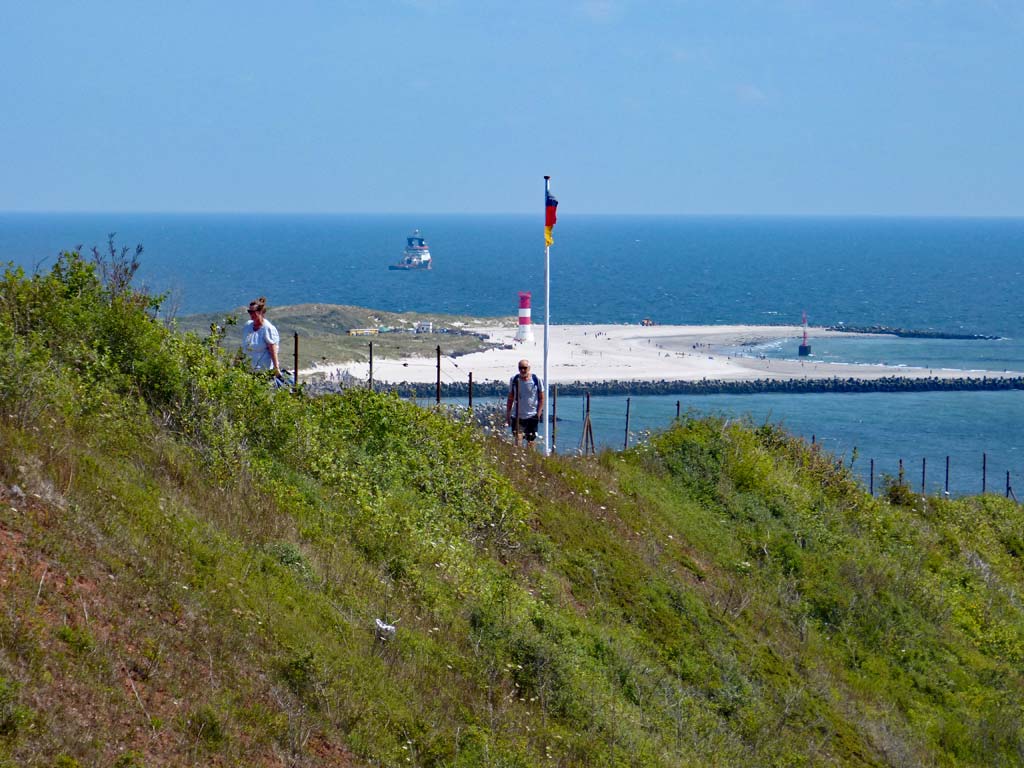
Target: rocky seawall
{"x":909,"y":333}
{"x":837,"y":384}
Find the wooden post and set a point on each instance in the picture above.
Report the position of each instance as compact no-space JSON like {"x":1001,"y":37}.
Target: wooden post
{"x":587,"y":438}
{"x":984,"y":472}
{"x":553,"y":426}
{"x":471,"y":390}
{"x":947,"y":475}
{"x":677,"y":410}
{"x":590,"y":428}
{"x":872,"y":481}
{"x":438,"y":374}
{"x":295,"y":372}
{"x":586,"y":418}
{"x":371,"y":366}
{"x":625,"y":443}
{"x":1007,"y":483}
{"x":901,"y":471}
{"x":924,"y":464}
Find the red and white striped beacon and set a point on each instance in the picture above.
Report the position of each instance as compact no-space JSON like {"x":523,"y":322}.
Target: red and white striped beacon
{"x":525,"y":330}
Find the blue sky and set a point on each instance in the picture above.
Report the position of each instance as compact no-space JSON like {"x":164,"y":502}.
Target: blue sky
{"x":431,"y":106}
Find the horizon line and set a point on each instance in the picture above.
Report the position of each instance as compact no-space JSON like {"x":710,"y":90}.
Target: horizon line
{"x":539,"y":213}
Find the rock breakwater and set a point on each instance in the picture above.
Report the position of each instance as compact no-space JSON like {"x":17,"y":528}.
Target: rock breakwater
{"x":909,"y":333}
{"x":891,"y":384}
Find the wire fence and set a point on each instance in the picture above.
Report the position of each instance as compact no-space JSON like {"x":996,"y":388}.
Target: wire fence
{"x":487,"y":408}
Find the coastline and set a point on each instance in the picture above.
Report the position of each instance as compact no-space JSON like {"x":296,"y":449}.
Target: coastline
{"x":633,"y":353}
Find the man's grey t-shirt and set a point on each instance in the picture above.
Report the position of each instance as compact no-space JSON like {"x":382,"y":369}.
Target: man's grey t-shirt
{"x":528,"y":395}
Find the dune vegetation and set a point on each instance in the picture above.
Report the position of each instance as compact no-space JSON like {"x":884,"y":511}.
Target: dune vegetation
{"x":193,"y":563}
{"x":323,"y":330}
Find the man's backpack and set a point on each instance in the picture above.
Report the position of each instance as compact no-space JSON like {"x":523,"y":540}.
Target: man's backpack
{"x":514,"y":386}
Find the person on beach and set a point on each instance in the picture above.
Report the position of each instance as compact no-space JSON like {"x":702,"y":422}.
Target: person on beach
{"x":525,"y":405}
{"x":260,"y":339}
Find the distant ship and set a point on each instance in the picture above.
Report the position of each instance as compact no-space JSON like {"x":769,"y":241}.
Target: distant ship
{"x":416,"y":254}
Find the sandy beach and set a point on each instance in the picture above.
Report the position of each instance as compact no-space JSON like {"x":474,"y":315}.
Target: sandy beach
{"x":588,"y":353}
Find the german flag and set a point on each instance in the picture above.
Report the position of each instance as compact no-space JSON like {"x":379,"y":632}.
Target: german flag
{"x":550,"y":210}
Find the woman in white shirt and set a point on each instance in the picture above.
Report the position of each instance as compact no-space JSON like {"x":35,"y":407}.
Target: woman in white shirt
{"x":261,"y":338}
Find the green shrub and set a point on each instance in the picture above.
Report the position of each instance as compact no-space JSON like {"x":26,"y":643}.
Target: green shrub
{"x":129,"y":759}
{"x":290,"y":556}
{"x":13,"y":716}
{"x":79,"y":640}
{"x":899,"y":493}
{"x":298,"y":672}
{"x":203,"y":724}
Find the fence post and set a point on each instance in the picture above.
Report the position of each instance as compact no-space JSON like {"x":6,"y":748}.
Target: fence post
{"x":554,"y":416}
{"x":587,"y":440}
{"x":924,"y":464}
{"x":295,"y":372}
{"x":471,"y":390}
{"x":438,"y":374}
{"x":677,"y":410}
{"x":625,"y":443}
{"x":984,"y":472}
{"x":1007,"y":483}
{"x":872,"y":486}
{"x":901,"y":471}
{"x":947,"y":475}
{"x":588,"y":434}
{"x":590,"y":428}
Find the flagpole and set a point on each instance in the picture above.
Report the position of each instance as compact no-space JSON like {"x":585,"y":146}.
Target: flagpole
{"x":547,"y":323}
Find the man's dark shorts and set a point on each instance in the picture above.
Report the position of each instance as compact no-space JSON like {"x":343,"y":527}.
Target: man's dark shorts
{"x":528,"y":427}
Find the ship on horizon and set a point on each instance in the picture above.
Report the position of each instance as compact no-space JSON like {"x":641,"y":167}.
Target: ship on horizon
{"x":416,"y":254}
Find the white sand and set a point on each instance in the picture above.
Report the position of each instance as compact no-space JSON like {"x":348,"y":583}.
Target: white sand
{"x":583,"y":353}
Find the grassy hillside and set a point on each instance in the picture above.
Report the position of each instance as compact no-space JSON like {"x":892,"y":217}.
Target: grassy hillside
{"x":192,"y":564}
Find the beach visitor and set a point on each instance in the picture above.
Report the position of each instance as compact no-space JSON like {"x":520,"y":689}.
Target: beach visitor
{"x":260,"y":339}
{"x":525,"y":405}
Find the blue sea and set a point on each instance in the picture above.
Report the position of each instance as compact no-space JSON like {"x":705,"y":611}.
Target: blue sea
{"x":954,"y":275}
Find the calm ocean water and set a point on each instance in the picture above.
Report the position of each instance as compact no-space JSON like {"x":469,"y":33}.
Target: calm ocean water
{"x":959,"y":275}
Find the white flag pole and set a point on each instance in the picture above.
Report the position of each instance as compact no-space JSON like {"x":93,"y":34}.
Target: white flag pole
{"x":547,"y":321}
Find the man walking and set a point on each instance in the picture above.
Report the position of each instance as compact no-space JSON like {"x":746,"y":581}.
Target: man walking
{"x":525,"y":404}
